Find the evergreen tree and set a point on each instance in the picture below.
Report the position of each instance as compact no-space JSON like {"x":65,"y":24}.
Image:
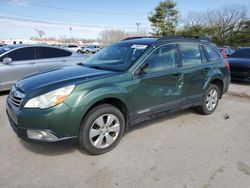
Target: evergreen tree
{"x":164,"y":18}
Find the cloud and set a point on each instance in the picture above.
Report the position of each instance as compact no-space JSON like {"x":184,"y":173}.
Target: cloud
{"x":19,"y":2}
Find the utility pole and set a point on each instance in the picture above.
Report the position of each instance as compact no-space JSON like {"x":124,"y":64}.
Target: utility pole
{"x":138,"y":25}
{"x":71,"y":36}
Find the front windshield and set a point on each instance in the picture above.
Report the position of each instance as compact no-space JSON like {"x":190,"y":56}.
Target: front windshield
{"x":116,"y":57}
{"x":4,"y":49}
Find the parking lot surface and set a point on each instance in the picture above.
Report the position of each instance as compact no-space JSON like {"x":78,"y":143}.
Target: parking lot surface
{"x":183,"y":149}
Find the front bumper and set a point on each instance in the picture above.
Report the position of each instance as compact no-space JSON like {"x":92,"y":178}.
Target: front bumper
{"x":58,"y":121}
{"x":22,"y":133}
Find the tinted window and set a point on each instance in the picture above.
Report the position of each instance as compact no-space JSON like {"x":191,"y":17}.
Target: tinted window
{"x":4,"y":49}
{"x":190,"y":54}
{"x":162,"y":59}
{"x":212,"y":54}
{"x":22,"y":54}
{"x":241,"y":53}
{"x":47,"y":52}
{"x":72,"y":46}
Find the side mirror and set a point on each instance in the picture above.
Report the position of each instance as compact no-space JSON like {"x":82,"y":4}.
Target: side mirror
{"x":141,"y":70}
{"x":7,"y":60}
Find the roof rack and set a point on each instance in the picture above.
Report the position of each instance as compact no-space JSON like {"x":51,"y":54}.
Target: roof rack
{"x":202,"y":39}
{"x":140,"y":37}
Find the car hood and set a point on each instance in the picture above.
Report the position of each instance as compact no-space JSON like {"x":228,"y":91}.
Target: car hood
{"x":57,"y":78}
{"x":241,"y":62}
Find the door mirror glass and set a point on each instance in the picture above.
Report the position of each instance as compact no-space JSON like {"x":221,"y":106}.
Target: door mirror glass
{"x":7,"y":60}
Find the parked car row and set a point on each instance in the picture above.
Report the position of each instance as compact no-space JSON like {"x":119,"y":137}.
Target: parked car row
{"x":84,"y":49}
{"x":17,"y":61}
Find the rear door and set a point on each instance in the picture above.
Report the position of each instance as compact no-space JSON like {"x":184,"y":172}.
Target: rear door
{"x":195,"y":68}
{"x":51,"y":58}
{"x":23,"y":63}
{"x":160,"y":85}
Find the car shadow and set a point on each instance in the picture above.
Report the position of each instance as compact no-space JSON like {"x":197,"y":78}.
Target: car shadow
{"x":2,"y":93}
{"x":161,"y":117}
{"x":52,"y":149}
{"x":243,"y":83}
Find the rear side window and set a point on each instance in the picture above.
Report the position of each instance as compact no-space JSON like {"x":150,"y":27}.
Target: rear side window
{"x":162,"y":59}
{"x":22,"y":54}
{"x":212,"y":54}
{"x":47,"y":52}
{"x":190,"y":54}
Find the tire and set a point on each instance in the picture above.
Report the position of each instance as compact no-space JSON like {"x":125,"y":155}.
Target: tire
{"x":210,"y":102}
{"x":78,"y":51}
{"x":97,"y":134}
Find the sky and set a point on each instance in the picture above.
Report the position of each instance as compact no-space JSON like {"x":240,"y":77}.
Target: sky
{"x":19,"y":19}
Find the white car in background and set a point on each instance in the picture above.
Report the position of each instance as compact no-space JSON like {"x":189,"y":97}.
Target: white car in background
{"x":90,"y":49}
{"x":74,"y":48}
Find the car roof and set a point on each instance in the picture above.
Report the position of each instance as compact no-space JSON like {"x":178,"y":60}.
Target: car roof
{"x":144,"y":41}
{"x":12,"y":46}
{"x":245,"y":48}
{"x":165,"y":39}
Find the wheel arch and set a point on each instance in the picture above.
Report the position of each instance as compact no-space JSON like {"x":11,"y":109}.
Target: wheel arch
{"x":219,"y":83}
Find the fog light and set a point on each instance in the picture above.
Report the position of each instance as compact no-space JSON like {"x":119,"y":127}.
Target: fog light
{"x":41,"y":135}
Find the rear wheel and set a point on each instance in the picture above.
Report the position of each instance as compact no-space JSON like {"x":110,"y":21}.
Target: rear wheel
{"x":102,"y":129}
{"x":210,"y":100}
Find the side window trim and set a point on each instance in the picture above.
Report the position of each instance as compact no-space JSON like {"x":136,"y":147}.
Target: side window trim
{"x":203,"y":51}
{"x":156,"y":48}
{"x":208,"y":56}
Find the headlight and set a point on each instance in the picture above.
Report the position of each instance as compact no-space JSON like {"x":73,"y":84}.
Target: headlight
{"x":50,"y":99}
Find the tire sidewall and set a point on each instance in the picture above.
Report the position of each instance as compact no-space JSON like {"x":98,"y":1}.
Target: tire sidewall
{"x":204,"y":108}
{"x":89,"y":119}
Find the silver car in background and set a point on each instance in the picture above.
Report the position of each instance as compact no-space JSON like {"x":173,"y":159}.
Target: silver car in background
{"x":17,"y":61}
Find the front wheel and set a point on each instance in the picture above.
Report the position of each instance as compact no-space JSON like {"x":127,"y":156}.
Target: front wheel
{"x":101,"y":129}
{"x":210,"y":100}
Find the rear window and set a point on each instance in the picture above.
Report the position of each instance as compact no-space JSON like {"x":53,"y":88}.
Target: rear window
{"x":47,"y":52}
{"x":241,"y":53}
{"x":212,"y":53}
{"x":190,"y":54}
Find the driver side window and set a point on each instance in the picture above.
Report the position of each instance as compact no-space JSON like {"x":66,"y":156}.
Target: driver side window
{"x":162,"y":59}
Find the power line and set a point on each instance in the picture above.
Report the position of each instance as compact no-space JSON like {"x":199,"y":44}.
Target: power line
{"x":57,"y":23}
{"x":86,"y":11}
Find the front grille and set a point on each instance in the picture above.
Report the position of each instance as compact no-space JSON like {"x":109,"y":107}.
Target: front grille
{"x":16,"y":101}
{"x":16,"y":97}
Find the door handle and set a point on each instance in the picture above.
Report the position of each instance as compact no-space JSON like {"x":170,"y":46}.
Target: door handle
{"x":32,"y":63}
{"x":175,"y":76}
{"x":206,"y":70}
{"x":65,"y":60}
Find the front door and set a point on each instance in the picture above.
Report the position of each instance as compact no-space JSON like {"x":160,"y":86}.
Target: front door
{"x":159,"y":86}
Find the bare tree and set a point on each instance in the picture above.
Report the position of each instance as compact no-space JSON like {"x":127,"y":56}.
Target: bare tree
{"x":220,"y":23}
{"x":230,"y":19}
{"x":40,"y":33}
{"x":110,"y":36}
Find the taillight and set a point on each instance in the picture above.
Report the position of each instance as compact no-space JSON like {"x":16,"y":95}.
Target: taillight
{"x":227,"y":65}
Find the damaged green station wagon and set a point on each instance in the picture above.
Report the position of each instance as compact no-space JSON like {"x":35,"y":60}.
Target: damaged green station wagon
{"x":96,"y":101}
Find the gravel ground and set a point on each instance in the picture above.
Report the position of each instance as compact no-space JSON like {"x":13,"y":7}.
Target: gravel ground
{"x":185,"y":150}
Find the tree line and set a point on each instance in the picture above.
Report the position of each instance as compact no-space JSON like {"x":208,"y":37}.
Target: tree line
{"x":228,"y":25}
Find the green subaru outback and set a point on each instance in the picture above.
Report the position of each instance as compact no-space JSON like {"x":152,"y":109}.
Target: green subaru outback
{"x":96,"y":101}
